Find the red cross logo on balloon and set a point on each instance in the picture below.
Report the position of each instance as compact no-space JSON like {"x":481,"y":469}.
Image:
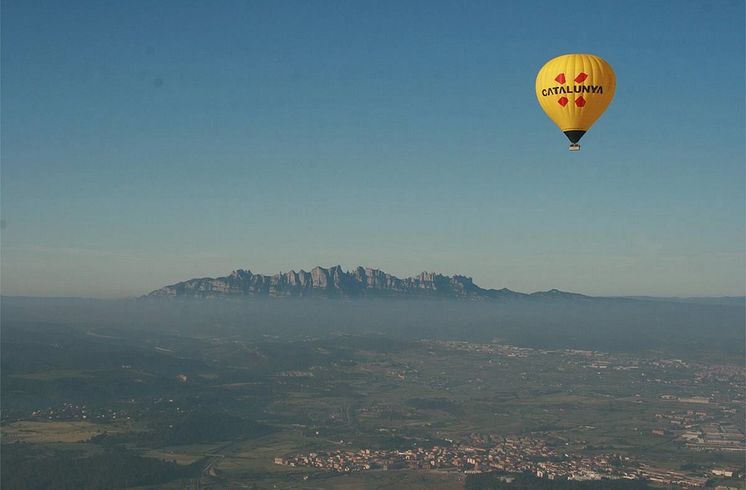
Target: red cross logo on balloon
{"x":579,"y":101}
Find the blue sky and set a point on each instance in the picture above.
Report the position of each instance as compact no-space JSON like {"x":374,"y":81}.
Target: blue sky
{"x":145,"y":143}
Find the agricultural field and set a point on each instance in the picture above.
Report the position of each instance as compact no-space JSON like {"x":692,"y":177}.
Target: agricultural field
{"x":41,"y":432}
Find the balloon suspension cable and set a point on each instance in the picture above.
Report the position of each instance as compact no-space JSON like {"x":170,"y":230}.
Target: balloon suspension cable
{"x":574,"y":147}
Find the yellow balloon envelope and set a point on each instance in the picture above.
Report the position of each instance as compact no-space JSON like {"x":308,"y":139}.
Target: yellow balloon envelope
{"x":574,"y":90}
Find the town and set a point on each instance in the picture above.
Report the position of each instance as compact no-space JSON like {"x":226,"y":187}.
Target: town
{"x":513,"y":454}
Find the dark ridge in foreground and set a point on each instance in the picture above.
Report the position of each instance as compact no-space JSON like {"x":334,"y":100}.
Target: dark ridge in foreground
{"x":335,"y":282}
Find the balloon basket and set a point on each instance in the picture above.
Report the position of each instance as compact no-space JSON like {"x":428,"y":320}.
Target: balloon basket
{"x":574,"y":147}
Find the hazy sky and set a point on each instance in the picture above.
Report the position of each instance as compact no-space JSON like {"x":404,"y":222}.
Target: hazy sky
{"x":144,"y":143}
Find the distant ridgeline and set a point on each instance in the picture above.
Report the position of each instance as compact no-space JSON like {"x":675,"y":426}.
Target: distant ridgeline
{"x":335,"y":282}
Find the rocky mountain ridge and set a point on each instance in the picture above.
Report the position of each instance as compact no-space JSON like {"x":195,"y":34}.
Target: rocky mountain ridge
{"x":335,"y":282}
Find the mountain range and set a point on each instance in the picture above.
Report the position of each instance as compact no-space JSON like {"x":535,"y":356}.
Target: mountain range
{"x":335,"y":282}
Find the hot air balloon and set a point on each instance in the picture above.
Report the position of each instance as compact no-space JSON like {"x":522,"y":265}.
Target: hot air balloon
{"x":574,"y":90}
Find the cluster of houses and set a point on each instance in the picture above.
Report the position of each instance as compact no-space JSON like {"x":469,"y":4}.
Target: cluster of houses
{"x":513,"y":455}
{"x":73,"y":411}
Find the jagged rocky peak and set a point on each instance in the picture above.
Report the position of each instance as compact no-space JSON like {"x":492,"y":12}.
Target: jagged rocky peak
{"x":240,"y":274}
{"x":463,"y":279}
{"x":374,"y":278}
{"x":336,"y":282}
